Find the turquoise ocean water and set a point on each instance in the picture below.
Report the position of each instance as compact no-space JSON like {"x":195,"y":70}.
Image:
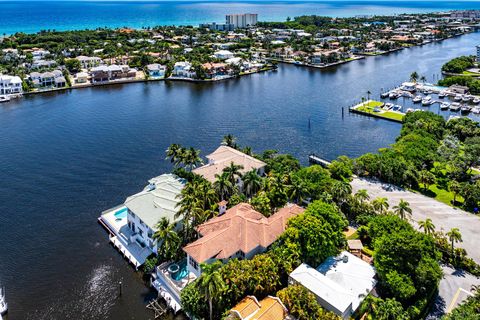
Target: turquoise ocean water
{"x":33,"y":16}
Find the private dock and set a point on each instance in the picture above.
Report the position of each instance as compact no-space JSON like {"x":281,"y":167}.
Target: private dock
{"x":314,"y":159}
{"x":158,"y":310}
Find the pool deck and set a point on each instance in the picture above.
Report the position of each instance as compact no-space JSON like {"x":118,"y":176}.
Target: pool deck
{"x":122,"y":237}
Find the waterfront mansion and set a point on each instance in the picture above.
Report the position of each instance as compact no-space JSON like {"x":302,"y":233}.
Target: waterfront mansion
{"x":223,"y":157}
{"x":239,"y":232}
{"x":132,"y":224}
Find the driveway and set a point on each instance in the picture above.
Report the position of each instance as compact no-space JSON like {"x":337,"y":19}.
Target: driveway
{"x":454,"y":288}
{"x":443,"y":216}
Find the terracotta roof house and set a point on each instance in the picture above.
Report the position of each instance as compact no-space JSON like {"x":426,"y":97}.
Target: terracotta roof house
{"x":222,"y":157}
{"x":270,"y":308}
{"x":241,"y":232}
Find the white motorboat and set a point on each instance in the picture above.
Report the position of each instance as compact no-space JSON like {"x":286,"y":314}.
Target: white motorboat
{"x":417,"y":99}
{"x":444,"y":105}
{"x":458,"y":97}
{"x":3,"y":302}
{"x":465,"y":108}
{"x":476,"y":100}
{"x":393,"y":95}
{"x":455,"y":106}
{"x":466,"y":98}
{"x":4,"y":99}
{"x":427,"y":101}
{"x":441,"y":94}
{"x":387,"y":106}
{"x":476,"y":110}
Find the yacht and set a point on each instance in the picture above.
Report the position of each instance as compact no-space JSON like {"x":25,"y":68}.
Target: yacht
{"x":417,"y":99}
{"x":465,"y":108}
{"x":388,"y":106}
{"x":458,"y":97}
{"x":444,"y":105}
{"x":441,"y":94}
{"x":476,"y":110}
{"x":3,"y":303}
{"x":384,"y":95}
{"x":397,"y":107}
{"x":393,"y":95}
{"x":455,"y":106}
{"x":476,"y":100}
{"x":466,"y":98}
{"x":427,"y":101}
{"x":4,"y":98}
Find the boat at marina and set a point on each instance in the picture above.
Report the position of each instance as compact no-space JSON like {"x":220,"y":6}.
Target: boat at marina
{"x":3,"y":303}
{"x":458,"y":97}
{"x":442,"y":94}
{"x":384,"y":95}
{"x":4,"y":98}
{"x":455,"y":106}
{"x":466,"y":98}
{"x":427,"y":101}
{"x":444,"y":105}
{"x":387,"y":106}
{"x":476,"y":100}
{"x":393,"y":95}
{"x":476,"y":110}
{"x":465,"y":108}
{"x":410,"y":110}
{"x":417,"y":99}
{"x":397,"y":107}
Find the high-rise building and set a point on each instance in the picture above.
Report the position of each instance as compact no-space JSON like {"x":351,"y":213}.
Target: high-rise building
{"x":242,"y":20}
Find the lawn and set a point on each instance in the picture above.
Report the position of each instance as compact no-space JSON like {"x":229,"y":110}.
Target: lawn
{"x":368,"y":107}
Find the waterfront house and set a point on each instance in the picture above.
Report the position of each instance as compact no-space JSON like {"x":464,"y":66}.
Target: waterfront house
{"x":339,"y":284}
{"x":41,"y":64}
{"x":133,"y":224}
{"x":222,"y":157}
{"x":223,"y":54}
{"x":10,"y":85}
{"x":156,"y":71}
{"x":81,"y":77}
{"x":89,"y":62}
{"x":215,"y":70}
{"x":53,"y":78}
{"x":112,"y":72}
{"x":269,"y":308}
{"x":240,"y":232}
{"x":183,"y":69}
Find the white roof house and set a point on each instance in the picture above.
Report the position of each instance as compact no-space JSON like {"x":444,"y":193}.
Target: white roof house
{"x":223,"y":54}
{"x":340,"y":283}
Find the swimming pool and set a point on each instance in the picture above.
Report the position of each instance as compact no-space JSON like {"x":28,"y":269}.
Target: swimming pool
{"x":121,"y":214}
{"x":182,"y":273}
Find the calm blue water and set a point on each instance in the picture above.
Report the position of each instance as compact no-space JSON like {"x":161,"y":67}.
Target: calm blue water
{"x":32,"y":16}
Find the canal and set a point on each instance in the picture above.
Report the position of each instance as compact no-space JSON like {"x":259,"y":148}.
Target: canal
{"x":65,"y":157}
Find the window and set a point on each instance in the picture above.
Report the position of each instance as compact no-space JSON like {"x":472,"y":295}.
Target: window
{"x":193,"y":263}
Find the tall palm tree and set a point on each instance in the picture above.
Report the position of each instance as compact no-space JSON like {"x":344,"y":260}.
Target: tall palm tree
{"x":414,"y":76}
{"x":167,"y":239}
{"x":233,"y":171}
{"x":362,"y":195}
{"x":297,"y":190}
{"x":173,"y":153}
{"x":191,"y":158}
{"x":423,"y":79}
{"x":427,"y":226}
{"x":403,"y":210}
{"x":230,"y":141}
{"x":223,"y":186}
{"x":381,"y":205}
{"x":455,"y":188}
{"x":368,"y":94}
{"x":252,"y":182}
{"x":454,"y":235}
{"x":340,"y":191}
{"x":211,"y":284}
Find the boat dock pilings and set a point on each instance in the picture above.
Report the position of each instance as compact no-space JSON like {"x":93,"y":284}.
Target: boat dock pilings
{"x":314,"y":159}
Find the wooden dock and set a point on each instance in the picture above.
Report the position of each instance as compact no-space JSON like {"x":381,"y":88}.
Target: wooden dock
{"x":314,"y":159}
{"x":158,"y":310}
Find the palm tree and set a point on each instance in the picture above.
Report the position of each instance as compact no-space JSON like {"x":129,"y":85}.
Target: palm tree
{"x":362,"y":195}
{"x":211,"y":284}
{"x":368,"y":94}
{"x":455,"y":188}
{"x":167,"y":239}
{"x":454,"y":235}
{"x":247,"y":150}
{"x":340,"y":191}
{"x":427,"y":226}
{"x":403,"y":210}
{"x":174,"y":152}
{"x":423,"y":79}
{"x":230,"y":141}
{"x":222,"y":185}
{"x":191,"y":158}
{"x":381,"y":205}
{"x":297,"y":190}
{"x":233,"y":171}
{"x":252,"y":182}
{"x":414,"y":76}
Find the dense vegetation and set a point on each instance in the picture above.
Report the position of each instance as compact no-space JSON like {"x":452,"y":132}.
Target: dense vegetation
{"x":469,"y":310}
{"x":458,"y":65}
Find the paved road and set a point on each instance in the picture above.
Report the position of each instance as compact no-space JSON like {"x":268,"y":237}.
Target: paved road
{"x":443,"y":216}
{"x":454,"y":288}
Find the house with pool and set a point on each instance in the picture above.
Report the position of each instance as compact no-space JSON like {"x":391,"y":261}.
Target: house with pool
{"x":239,"y":232}
{"x":132,"y":224}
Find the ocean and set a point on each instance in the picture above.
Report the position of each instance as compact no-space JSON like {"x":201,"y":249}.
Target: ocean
{"x":33,"y":16}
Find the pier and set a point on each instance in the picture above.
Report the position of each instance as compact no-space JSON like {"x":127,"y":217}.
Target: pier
{"x":158,"y":310}
{"x":314,"y":159}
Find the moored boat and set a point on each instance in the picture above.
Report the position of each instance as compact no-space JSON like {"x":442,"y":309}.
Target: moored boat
{"x":458,"y":97}
{"x":444,"y":105}
{"x":455,"y":106}
{"x":4,"y":99}
{"x":465,"y":108}
{"x":427,"y":101}
{"x":3,"y":302}
{"x":417,"y":99}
